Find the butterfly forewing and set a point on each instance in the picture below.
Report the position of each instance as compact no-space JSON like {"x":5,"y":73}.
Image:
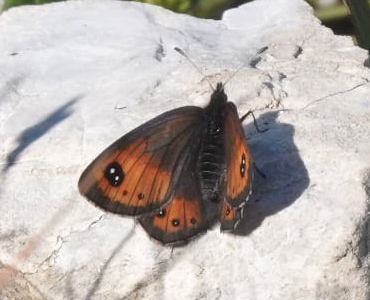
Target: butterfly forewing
{"x":138,"y":172}
{"x":239,"y":166}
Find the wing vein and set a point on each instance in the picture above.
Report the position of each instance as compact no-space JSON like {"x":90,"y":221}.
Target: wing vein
{"x":138,"y":182}
{"x":109,"y":186}
{"x":185,"y":220}
{"x":164,"y":156}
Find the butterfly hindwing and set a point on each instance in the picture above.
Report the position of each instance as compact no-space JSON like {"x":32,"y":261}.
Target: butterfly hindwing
{"x":138,"y":172}
{"x":186,"y":214}
{"x":239,"y":166}
{"x":178,"y":221}
{"x":229,"y":217}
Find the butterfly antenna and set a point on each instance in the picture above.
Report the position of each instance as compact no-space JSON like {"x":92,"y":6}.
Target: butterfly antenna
{"x":255,"y":60}
{"x":194,"y":65}
{"x":236,"y":72}
{"x":254,"y":121}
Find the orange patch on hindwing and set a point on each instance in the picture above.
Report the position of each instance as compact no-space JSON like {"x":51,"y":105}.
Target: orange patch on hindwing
{"x":178,"y":215}
{"x":227,"y":213}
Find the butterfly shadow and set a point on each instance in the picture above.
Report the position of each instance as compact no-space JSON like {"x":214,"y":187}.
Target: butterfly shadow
{"x":34,"y":132}
{"x":156,"y":277}
{"x":277,"y":157}
{"x":91,"y":293}
{"x":95,"y":286}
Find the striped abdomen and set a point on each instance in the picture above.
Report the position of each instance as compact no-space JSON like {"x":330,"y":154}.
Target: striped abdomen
{"x":211,"y":164}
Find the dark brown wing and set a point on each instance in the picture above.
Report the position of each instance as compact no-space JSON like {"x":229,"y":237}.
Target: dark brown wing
{"x":239,"y":166}
{"x":186,"y":214}
{"x":138,"y":173}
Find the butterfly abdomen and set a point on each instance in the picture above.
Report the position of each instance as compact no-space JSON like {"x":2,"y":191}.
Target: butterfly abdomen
{"x":211,"y":164}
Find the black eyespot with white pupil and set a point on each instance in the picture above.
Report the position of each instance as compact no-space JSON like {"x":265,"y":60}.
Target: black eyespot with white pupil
{"x":242,"y":166}
{"x":114,"y":174}
{"x":175,"y":222}
{"x":161,"y":213}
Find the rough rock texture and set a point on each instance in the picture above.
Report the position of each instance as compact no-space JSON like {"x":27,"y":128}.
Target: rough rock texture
{"x":75,"y":76}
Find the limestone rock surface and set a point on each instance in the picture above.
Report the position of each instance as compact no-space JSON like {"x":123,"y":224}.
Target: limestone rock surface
{"x":75,"y":76}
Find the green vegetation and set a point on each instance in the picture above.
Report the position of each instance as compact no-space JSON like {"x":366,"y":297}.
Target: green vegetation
{"x":11,"y":3}
{"x":360,"y":14}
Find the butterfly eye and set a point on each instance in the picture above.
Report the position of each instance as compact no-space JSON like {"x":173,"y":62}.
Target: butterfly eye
{"x":114,"y":174}
{"x":215,"y":129}
{"x":242,"y":166}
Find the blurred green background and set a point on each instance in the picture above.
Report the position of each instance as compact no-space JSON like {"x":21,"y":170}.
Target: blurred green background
{"x":333,"y":13}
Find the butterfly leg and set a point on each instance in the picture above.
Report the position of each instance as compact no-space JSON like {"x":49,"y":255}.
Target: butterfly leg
{"x":254,"y":120}
{"x":259,"y":171}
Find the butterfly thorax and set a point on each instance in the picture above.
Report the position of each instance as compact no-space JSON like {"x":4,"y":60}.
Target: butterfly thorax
{"x":211,"y":162}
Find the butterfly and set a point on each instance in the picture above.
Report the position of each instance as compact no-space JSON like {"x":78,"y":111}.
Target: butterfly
{"x":178,"y":173}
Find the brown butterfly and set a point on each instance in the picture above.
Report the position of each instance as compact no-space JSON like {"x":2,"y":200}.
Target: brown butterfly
{"x":178,"y":172}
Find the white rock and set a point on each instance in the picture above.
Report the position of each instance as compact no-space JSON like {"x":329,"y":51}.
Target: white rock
{"x":75,"y":76}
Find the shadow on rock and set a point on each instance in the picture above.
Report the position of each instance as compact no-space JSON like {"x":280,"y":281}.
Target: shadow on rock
{"x":33,"y":133}
{"x":276,"y":155}
{"x":94,"y":288}
{"x":155,"y":280}
{"x":104,"y":268}
{"x":155,"y":277}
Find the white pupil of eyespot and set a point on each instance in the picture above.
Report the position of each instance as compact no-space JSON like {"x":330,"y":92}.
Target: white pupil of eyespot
{"x":112,"y":170}
{"x":116,"y":178}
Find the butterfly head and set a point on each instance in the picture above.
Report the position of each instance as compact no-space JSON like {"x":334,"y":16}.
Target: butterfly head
{"x":218,"y":98}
